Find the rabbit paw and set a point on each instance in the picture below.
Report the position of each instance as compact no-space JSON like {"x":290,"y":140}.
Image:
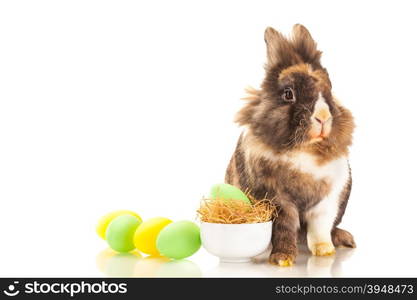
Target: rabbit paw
{"x":282,"y":259}
{"x":323,"y":249}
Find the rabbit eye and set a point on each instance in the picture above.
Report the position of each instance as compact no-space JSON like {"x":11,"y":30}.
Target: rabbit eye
{"x":288,"y":95}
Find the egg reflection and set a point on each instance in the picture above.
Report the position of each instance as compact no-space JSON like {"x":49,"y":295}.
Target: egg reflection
{"x":114,"y":264}
{"x":102,"y":259}
{"x":178,"y":268}
{"x":148,"y":266}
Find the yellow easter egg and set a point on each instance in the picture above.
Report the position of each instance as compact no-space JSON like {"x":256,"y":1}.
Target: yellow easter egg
{"x":105,"y":221}
{"x":147,"y":233}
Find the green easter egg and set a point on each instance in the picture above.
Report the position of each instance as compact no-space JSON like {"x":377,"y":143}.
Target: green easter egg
{"x":179,"y":240}
{"x":119,"y":233}
{"x":226,"y":191}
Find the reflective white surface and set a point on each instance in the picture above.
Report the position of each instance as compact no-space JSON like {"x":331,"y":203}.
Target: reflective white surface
{"x":77,"y":251}
{"x":346,"y":263}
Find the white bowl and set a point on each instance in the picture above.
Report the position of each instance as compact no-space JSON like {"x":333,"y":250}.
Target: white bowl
{"x":236,"y":242}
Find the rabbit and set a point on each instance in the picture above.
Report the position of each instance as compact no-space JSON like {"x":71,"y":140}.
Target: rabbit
{"x":293,"y":148}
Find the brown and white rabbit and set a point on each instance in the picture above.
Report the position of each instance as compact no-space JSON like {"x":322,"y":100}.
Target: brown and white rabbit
{"x":294,"y":148}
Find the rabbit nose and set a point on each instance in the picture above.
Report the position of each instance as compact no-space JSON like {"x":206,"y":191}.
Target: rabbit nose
{"x":321,"y":113}
{"x":318,"y":120}
{"x":321,"y":120}
{"x":322,"y":116}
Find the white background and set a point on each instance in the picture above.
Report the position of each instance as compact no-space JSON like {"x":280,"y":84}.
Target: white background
{"x":126,"y":104}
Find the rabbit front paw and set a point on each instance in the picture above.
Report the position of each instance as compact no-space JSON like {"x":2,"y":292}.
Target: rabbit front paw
{"x":282,"y":259}
{"x":322,"y":249}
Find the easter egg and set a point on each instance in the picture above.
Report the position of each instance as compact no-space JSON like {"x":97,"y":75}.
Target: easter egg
{"x":179,"y":240}
{"x":105,"y":221}
{"x":147,"y":233}
{"x":120,"y":232}
{"x":226,"y":191}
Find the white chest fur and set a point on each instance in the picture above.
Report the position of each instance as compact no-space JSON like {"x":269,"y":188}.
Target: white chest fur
{"x":335,"y":172}
{"x":321,"y":217}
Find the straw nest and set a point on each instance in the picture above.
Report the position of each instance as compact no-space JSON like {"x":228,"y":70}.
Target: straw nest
{"x":236,"y":211}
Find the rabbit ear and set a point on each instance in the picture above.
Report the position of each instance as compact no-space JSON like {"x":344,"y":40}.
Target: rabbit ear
{"x":279,"y":49}
{"x":304,"y":45}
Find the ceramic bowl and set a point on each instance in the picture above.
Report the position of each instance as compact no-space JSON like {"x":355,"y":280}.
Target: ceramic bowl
{"x":236,"y":242}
